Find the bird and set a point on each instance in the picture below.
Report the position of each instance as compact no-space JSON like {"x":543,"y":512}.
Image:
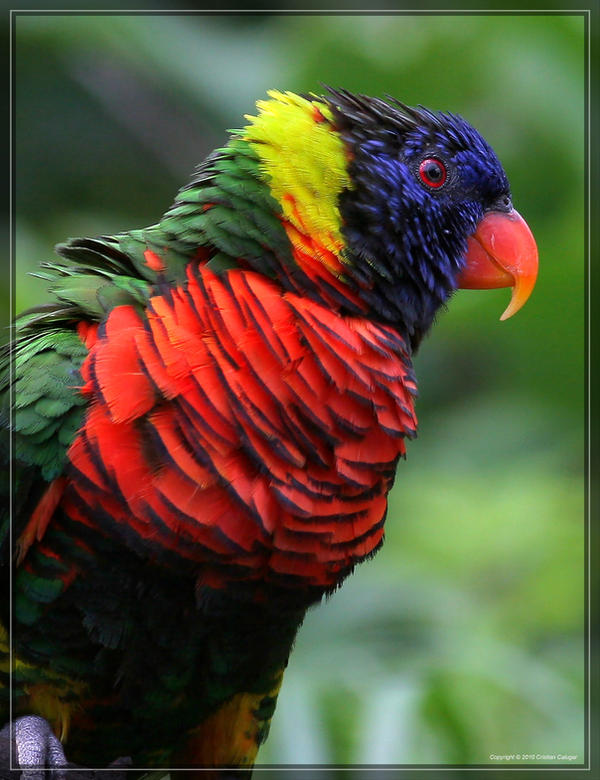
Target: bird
{"x":207,"y":416}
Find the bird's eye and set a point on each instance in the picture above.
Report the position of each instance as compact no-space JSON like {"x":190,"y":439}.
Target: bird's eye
{"x":432,"y":172}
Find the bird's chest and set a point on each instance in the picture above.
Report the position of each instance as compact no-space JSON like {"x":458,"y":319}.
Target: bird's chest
{"x":235,"y":425}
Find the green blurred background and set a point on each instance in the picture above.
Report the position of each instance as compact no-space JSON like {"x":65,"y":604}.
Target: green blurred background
{"x":464,"y":637}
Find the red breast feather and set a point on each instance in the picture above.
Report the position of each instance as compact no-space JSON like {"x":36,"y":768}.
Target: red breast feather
{"x":237,"y":424}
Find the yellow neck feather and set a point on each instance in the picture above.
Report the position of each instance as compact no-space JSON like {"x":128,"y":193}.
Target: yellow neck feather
{"x":305,"y":164}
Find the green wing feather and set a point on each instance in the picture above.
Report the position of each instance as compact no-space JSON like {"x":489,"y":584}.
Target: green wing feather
{"x":226,"y":209}
{"x":40,"y":402}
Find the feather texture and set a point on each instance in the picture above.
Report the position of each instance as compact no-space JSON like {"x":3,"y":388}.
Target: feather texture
{"x":208,"y":417}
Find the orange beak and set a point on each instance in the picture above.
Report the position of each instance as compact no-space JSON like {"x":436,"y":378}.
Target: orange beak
{"x":502,"y":253}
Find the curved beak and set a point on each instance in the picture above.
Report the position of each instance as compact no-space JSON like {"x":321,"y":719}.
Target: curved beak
{"x":501,"y":253}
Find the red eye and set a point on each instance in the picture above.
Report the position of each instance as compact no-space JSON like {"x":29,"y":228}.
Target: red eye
{"x":432,"y":172}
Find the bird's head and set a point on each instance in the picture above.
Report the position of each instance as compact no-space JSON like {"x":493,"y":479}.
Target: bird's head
{"x":430,"y":210}
{"x":386,"y":209}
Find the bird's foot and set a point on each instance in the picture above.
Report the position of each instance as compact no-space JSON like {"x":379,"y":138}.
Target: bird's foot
{"x":30,"y":745}
{"x":36,"y":748}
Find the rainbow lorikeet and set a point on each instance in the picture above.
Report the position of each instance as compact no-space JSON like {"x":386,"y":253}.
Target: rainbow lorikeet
{"x":208,"y":417}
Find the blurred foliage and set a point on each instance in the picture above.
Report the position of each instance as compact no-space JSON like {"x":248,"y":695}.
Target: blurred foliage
{"x":464,"y":637}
